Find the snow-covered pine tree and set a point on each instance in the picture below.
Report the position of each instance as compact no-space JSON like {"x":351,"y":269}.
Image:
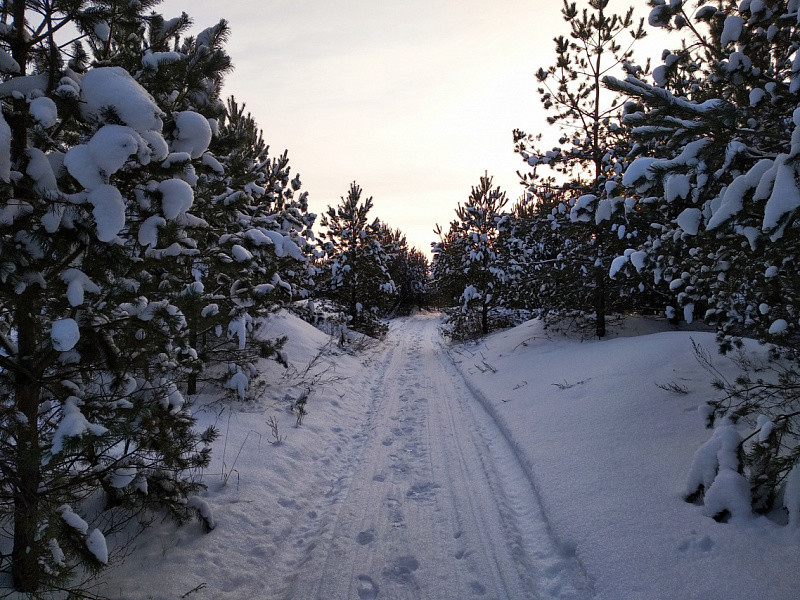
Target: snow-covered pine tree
{"x":533,"y":247}
{"x":470,"y":254}
{"x":719,"y":142}
{"x":407,"y":267}
{"x":255,"y":254}
{"x":720,"y":109}
{"x":594,"y":216}
{"x":447,"y":282}
{"x":355,"y":272}
{"x":411,"y":279}
{"x":92,"y":351}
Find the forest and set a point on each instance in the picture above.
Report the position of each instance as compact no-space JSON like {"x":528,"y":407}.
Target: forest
{"x":148,"y":230}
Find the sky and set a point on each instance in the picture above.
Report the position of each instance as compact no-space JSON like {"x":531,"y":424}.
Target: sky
{"x":412,"y":99}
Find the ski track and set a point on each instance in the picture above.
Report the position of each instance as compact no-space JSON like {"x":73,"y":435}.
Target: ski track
{"x":428,"y":501}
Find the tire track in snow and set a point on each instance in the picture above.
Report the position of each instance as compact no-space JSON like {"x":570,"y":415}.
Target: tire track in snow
{"x":432,"y":502}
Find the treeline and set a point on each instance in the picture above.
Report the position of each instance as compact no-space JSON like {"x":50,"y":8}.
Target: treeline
{"x":145,"y":228}
{"x":673,"y":191}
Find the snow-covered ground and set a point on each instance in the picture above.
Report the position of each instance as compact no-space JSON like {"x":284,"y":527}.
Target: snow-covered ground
{"x":519,"y":467}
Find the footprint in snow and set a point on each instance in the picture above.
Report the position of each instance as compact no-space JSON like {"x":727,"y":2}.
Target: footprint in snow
{"x":699,"y":544}
{"x":422,"y":491}
{"x":367,"y":590}
{"x":477,"y":588}
{"x":365,"y":537}
{"x":403,"y":568}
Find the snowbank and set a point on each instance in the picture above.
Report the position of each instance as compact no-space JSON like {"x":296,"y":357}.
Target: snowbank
{"x":253,"y":483}
{"x":610,"y":453}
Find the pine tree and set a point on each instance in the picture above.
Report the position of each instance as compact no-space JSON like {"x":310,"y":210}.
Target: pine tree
{"x":571,"y":91}
{"x":470,"y":253}
{"x":356,"y":263}
{"x":255,"y":253}
{"x":718,"y":148}
{"x":92,"y":222}
{"x":407,"y":267}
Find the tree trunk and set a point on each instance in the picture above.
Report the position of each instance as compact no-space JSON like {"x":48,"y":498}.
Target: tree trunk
{"x":26,"y":571}
{"x":353,"y":303}
{"x":485,"y":318}
{"x":191,"y":382}
{"x":25,"y":567}
{"x":600,"y":301}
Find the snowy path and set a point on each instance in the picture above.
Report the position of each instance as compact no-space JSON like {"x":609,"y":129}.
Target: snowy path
{"x":429,"y":502}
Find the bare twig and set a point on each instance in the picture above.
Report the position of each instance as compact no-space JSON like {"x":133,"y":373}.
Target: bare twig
{"x":566,"y":385}
{"x":272,"y":422}
{"x":674,"y":387}
{"x":194,"y":589}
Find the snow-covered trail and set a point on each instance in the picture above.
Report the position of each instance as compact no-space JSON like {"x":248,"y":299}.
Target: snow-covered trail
{"x":430,"y":503}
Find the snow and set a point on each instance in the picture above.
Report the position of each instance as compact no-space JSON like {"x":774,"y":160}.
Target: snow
{"x":238,"y":328}
{"x":102,"y":31}
{"x":80,"y":164}
{"x":717,"y":452}
{"x":73,"y":520}
{"x":213,"y":164}
{"x":616,"y":265}
{"x":785,"y":196}
{"x":77,"y":284}
{"x":148,"y":230}
{"x":756,"y":96}
{"x":192,"y":133}
{"x":96,"y":543}
{"x":123,"y":477}
{"x":5,"y":149}
{"x":688,"y":312}
{"x":152,"y":60}
{"x":676,"y":186}
{"x":730,"y":491}
{"x":689,"y":220}
{"x":240,"y":253}
{"x":113,"y":87}
{"x":24,"y":86}
{"x":603,"y":212}
{"x":108,"y":211}
{"x":93,"y":163}
{"x":582,"y":206}
{"x":638,"y":260}
{"x":112,"y":145}
{"x":204,"y":509}
{"x":637,"y":170}
{"x":778,"y":327}
{"x":732,"y":200}
{"x":731,"y":30}
{"x":14,"y":209}
{"x":239,"y":382}
{"x":7,"y":63}
{"x":56,"y":552}
{"x":419,"y":471}
{"x":44,"y":111}
{"x":40,"y":170}
{"x":73,"y":424}
{"x":610,"y":454}
{"x":791,"y":496}
{"x":176,"y":197}
{"x":64,"y":334}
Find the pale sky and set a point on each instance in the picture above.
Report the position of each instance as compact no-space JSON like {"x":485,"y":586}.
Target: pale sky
{"x":412,"y":99}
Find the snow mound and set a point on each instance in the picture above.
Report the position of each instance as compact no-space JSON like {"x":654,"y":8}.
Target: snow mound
{"x":112,"y":88}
